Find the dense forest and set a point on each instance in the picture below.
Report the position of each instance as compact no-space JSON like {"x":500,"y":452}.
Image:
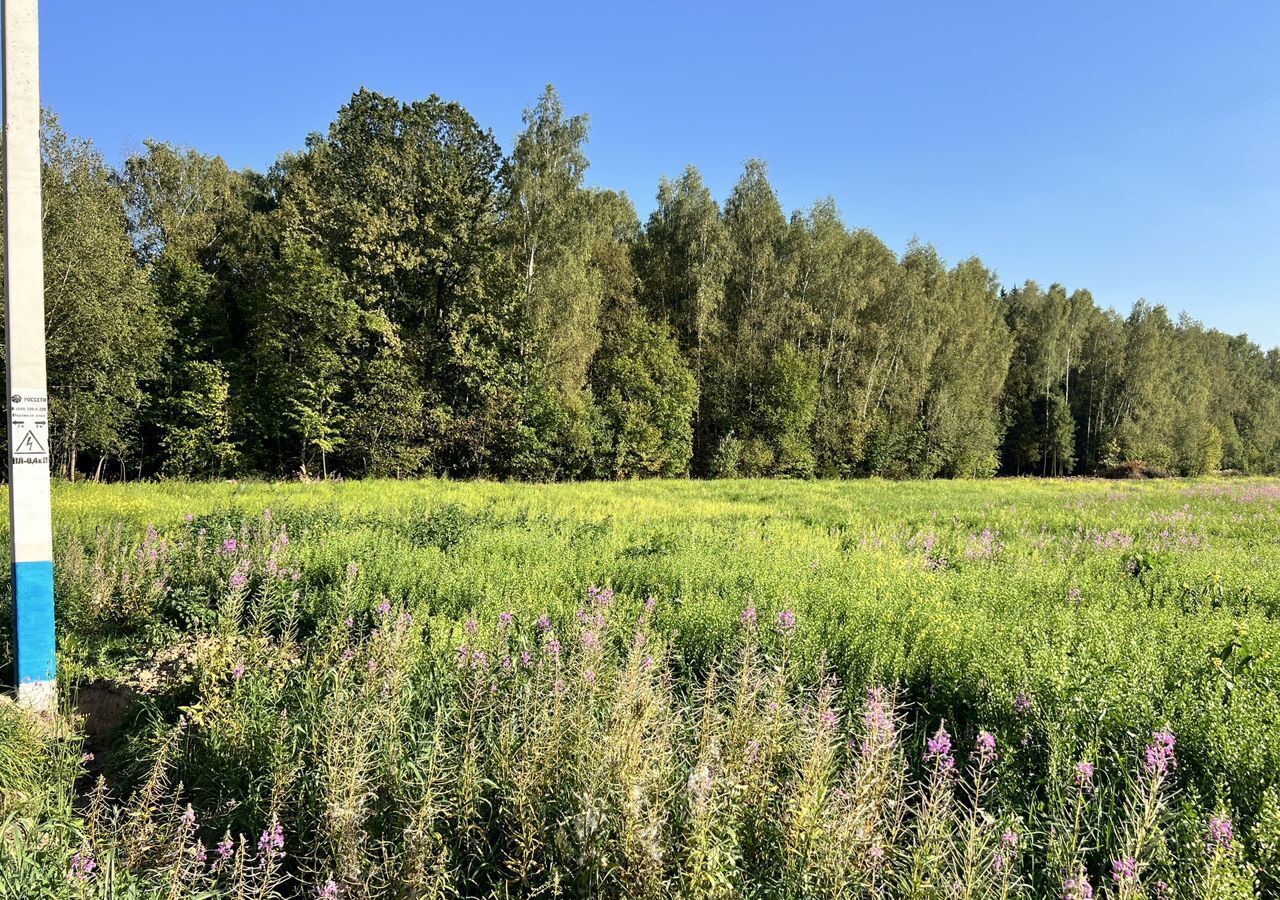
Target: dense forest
{"x":402,"y":297}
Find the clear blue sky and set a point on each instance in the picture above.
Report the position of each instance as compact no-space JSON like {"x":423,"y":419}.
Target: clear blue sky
{"x":1130,"y":148}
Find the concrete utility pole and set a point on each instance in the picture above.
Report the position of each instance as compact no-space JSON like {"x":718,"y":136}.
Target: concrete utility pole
{"x":29,"y":513}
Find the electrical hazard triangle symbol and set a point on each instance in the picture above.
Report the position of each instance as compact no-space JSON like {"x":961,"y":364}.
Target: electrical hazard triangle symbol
{"x":29,"y":445}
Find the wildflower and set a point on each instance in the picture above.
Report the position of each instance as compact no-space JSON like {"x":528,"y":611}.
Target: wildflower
{"x":1084,"y":774}
{"x":938,"y":751}
{"x":786,"y":621}
{"x":553,"y":646}
{"x":329,"y":891}
{"x":985,"y":750}
{"x":224,"y":851}
{"x":352,"y":570}
{"x":748,"y":617}
{"x":87,"y":758}
{"x":1221,"y":832}
{"x":189,"y":817}
{"x":189,"y":518}
{"x":997,"y":862}
{"x":526,"y":658}
{"x":1022,"y":704}
{"x":239,"y":578}
{"x":590,"y":640}
{"x":1124,"y":869}
{"x":650,"y":603}
{"x":82,"y":865}
{"x":641,"y":639}
{"x":272,"y":840}
{"x":238,"y":672}
{"x":479,"y":660}
{"x":505,"y":619}
{"x":544,"y":622}
{"x":828,"y":719}
{"x":229,"y":546}
{"x":348,"y":655}
{"x":558,"y":687}
{"x":600,"y":596}
{"x":471,"y":626}
{"x":875,"y":854}
{"x":1009,"y":838}
{"x":1077,"y":888}
{"x":1074,"y":595}
{"x":384,"y":608}
{"x":877,"y":721}
{"x":589,"y":676}
{"x":646,"y":664}
{"x":1160,"y":757}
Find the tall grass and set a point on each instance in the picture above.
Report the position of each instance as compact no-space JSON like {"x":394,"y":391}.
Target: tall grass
{"x":1006,"y":690}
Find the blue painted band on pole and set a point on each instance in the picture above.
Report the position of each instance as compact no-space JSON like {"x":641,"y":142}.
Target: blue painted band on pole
{"x":33,"y":620}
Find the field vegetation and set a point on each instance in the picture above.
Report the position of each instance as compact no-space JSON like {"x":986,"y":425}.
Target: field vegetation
{"x":765,"y":689}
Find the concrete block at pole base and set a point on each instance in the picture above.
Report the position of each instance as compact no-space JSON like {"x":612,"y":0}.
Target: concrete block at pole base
{"x":35,"y":650}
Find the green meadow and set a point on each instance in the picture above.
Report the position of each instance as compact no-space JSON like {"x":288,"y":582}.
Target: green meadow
{"x":677,"y":688}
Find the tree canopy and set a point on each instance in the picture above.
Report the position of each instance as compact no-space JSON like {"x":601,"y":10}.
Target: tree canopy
{"x":401,"y":297}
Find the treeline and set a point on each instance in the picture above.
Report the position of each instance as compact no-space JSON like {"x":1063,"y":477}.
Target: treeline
{"x":402,"y":297}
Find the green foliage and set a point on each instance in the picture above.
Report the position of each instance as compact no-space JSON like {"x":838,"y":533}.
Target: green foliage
{"x":401,"y":297}
{"x":340,"y":664}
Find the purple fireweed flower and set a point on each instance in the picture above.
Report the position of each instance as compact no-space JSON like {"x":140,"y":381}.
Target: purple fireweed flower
{"x":87,"y":758}
{"x":1124,"y":869}
{"x":877,"y":721}
{"x":384,"y":608}
{"x":352,"y":570}
{"x":641,"y":639}
{"x":553,"y":646}
{"x":1221,"y":831}
{"x":650,"y":603}
{"x":786,"y":621}
{"x":328,"y":891}
{"x":875,"y":854}
{"x":479,"y":660}
{"x":985,"y":748}
{"x":997,"y":862}
{"x":506,"y":618}
{"x":272,"y":840}
{"x":471,"y":626}
{"x":938,"y":751}
{"x":1159,"y":756}
{"x":544,"y":622}
{"x":464,"y":655}
{"x":748,"y":617}
{"x":1077,"y":888}
{"x":189,"y":518}
{"x":646,"y":664}
{"x":229,"y":546}
{"x":828,"y":719}
{"x":526,"y":658}
{"x":189,"y":817}
{"x":348,"y":655}
{"x":590,"y":640}
{"x":224,"y":849}
{"x":600,"y":596}
{"x":1084,"y":774}
{"x":238,"y":672}
{"x":558,"y":687}
{"x":589,"y":676}
{"x":238,"y":579}
{"x":1009,"y":838}
{"x":82,"y":865}
{"x":1022,"y":704}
